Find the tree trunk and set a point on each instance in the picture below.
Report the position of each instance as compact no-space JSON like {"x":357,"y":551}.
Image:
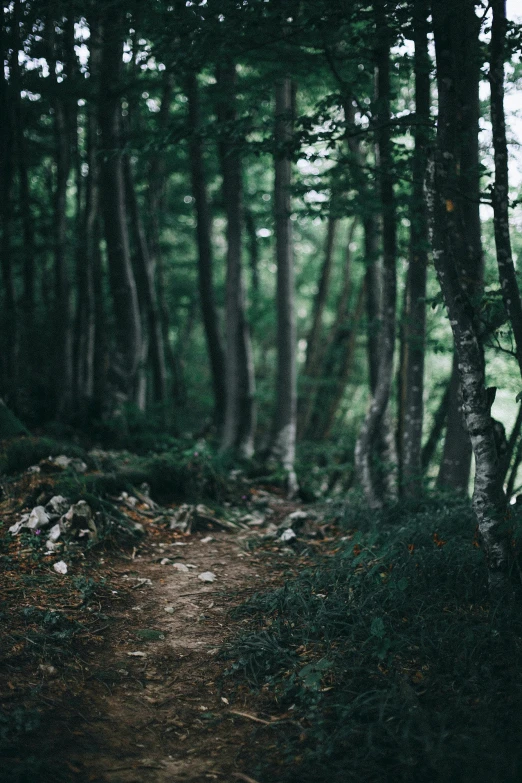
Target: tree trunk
{"x":312,"y":366}
{"x":128,"y":336}
{"x":439,"y":421}
{"x":339,"y":352}
{"x":372,"y":428}
{"x":239,"y":425}
{"x":64,"y":120}
{"x":90,"y":316}
{"x":145,"y":275}
{"x":489,"y":500}
{"x":415,"y":325}
{"x":209,"y":312}
{"x":506,"y":268}
{"x":456,"y":462}
{"x":283,"y":446}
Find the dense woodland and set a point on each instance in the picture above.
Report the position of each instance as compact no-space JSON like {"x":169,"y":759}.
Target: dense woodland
{"x":261,"y":299}
{"x":270,"y":224}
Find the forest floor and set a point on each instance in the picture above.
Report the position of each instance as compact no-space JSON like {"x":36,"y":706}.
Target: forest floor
{"x":113,"y":671}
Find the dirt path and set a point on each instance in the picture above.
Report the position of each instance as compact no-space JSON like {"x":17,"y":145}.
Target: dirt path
{"x":140,"y":693}
{"x":160,"y":715}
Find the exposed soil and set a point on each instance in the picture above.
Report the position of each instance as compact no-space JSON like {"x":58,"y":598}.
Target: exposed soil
{"x":141,"y":697}
{"x":165,"y":717}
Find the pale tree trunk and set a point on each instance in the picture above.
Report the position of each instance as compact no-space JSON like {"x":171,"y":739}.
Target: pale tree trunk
{"x":489,"y":500}
{"x":283,"y":445}
{"x":239,"y":425}
{"x":415,"y":326}
{"x":456,"y":462}
{"x":209,"y":312}
{"x":128,"y":335}
{"x":374,"y":425}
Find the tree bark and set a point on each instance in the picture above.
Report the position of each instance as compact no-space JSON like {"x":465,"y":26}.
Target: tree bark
{"x":145,"y":275}
{"x":373,"y":427}
{"x":415,"y":325}
{"x":128,"y":334}
{"x":506,"y":267}
{"x":489,"y":500}
{"x":312,"y":366}
{"x":239,"y":425}
{"x":209,"y":312}
{"x":439,"y":421}
{"x":283,"y":445}
{"x":456,"y":462}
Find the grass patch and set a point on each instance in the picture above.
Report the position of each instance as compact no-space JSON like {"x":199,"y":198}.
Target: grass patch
{"x":388,"y":658}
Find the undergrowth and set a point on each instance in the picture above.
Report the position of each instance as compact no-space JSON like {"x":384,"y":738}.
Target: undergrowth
{"x":386,"y":657}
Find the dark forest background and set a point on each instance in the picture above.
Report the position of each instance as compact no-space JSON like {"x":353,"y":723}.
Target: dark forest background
{"x":246,"y":224}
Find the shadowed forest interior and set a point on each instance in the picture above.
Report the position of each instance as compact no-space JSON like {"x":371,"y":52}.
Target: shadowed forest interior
{"x":270,"y":249}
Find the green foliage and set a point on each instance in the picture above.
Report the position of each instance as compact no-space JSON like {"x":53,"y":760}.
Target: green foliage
{"x":397,"y":666}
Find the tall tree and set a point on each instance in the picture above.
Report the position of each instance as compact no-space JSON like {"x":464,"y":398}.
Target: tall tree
{"x":283,"y":446}
{"x":489,"y":500}
{"x":456,"y":461}
{"x":209,"y":312}
{"x":415,"y":325}
{"x":239,"y":425}
{"x":373,"y":426}
{"x":128,"y":332}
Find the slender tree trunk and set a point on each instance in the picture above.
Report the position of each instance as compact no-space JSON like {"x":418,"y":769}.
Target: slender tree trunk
{"x":145,"y":274}
{"x":209,"y":312}
{"x":489,"y":500}
{"x":373,"y":427}
{"x":339,"y":351}
{"x":456,"y":461}
{"x":239,"y":425}
{"x":337,"y":367}
{"x":283,"y":446}
{"x":506,"y":267}
{"x":90,"y":315}
{"x":64,"y":117}
{"x":128,"y":332}
{"x":415,"y":326}
{"x":312,"y":366}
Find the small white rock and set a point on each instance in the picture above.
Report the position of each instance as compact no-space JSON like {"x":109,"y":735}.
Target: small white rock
{"x":60,"y":567}
{"x":287,"y":535}
{"x":137,"y":654}
{"x":180,"y":567}
{"x":207,"y":576}
{"x":37,"y":518}
{"x":169,"y":609}
{"x":206,"y":540}
{"x":54,"y":533}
